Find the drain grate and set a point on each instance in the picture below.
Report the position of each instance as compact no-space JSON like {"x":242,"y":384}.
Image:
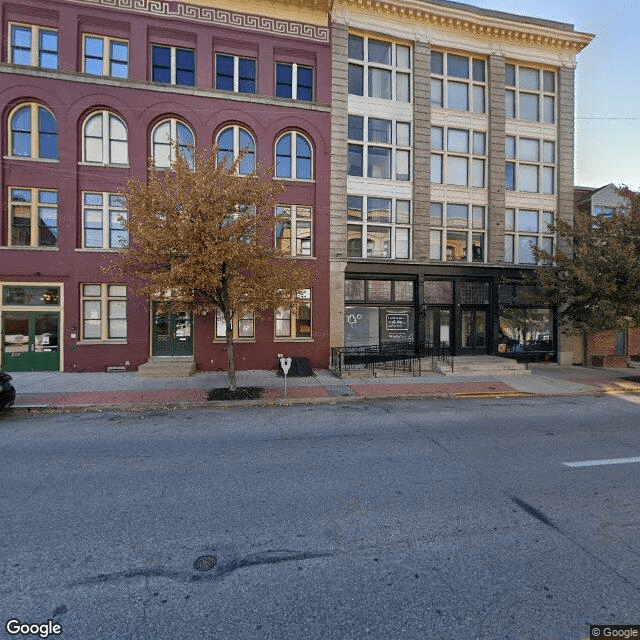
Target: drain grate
{"x":205,"y":563}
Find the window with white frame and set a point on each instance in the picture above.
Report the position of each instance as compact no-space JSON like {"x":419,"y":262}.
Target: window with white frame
{"x":235,"y":73}
{"x":244,"y":326}
{"x":33,"y":217}
{"x":165,"y":136}
{"x":525,"y":229}
{"x":173,"y":65}
{"x":458,"y":232}
{"x":294,"y":81}
{"x":379,"y":69}
{"x":103,"y":221}
{"x":106,"y":140}
{"x":378,"y":227}
{"x":530,"y":93}
{"x":294,"y":158}
{"x":103,"y":311}
{"x":104,"y":56}
{"x":381,"y":145}
{"x":231,"y":141}
{"x":293,"y":231}
{"x":458,"y":157}
{"x":295,"y":324}
{"x":458,"y":82}
{"x":530,"y":165}
{"x":33,"y":132}
{"x":33,"y":46}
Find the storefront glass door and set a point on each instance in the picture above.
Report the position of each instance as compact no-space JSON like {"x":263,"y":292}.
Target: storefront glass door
{"x":473,"y":331}
{"x":438,"y":327}
{"x":30,"y":341}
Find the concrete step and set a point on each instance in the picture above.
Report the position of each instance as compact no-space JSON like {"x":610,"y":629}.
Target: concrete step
{"x":158,"y":367}
{"x":482,"y":365}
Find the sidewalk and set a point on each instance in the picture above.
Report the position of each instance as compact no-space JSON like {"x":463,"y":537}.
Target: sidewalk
{"x":93,"y":391}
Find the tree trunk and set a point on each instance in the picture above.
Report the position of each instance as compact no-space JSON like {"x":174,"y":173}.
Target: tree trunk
{"x":231,"y":365}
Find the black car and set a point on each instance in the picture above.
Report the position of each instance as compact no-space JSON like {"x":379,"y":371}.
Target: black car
{"x":7,"y":392}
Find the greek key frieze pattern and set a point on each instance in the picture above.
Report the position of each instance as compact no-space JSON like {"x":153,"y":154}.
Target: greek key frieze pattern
{"x":220,"y":17}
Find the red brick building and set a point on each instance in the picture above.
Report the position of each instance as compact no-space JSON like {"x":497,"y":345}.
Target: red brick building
{"x":92,"y":89}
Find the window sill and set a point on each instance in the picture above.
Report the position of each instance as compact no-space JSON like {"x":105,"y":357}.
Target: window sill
{"x":17,"y":247}
{"x":293,"y":340}
{"x":103,"y":164}
{"x":96,"y":250}
{"x":235,"y":341}
{"x":303,"y":180}
{"x":82,"y":343}
{"x":29,"y":159}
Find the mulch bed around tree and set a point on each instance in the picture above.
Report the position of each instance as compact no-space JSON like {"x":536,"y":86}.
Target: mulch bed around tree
{"x":240,"y":393}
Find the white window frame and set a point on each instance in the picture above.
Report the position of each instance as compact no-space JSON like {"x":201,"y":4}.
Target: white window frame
{"x":542,"y":165}
{"x":35,"y":52}
{"x":107,"y":57}
{"x":513,"y":92}
{"x":444,"y":153}
{"x":236,"y":144}
{"x":106,"y":208}
{"x":512,"y":234}
{"x":293,"y":317}
{"x":110,"y":295}
{"x":107,"y":140}
{"x":395,"y":70}
{"x":444,"y":79}
{"x":438,"y":242}
{"x":358,"y":226}
{"x":34,"y":205}
{"x":173,"y":137}
{"x":220,"y":332}
{"x":297,"y":220}
{"x":294,"y":156}
{"x":236,"y":72}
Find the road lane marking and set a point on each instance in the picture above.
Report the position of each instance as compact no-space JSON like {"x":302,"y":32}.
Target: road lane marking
{"x":598,"y":463}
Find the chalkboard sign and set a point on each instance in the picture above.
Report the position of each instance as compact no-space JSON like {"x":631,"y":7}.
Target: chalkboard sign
{"x":397,"y":321}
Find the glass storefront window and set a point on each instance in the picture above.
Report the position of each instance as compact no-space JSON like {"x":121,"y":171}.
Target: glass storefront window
{"x":379,"y":290}
{"x":438,"y":291}
{"x":403,"y":291}
{"x":354,"y":290}
{"x":31,"y":296}
{"x":525,"y":329}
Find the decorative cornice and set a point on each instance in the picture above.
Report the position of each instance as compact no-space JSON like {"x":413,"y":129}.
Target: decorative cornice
{"x":217,"y":17}
{"x":503,"y":27}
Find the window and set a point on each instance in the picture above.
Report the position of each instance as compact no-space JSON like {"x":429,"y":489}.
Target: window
{"x":458,"y":82}
{"x":234,"y":73}
{"x":294,"y":230}
{"x":386,"y":150}
{"x":458,"y":156}
{"x":525,"y":229}
{"x":103,"y":311}
{"x":33,"y":217}
{"x":231,"y":141}
{"x":458,"y":232}
{"x":379,"y":69}
{"x":105,"y":56}
{"x":172,"y":65}
{"x":294,"y":81}
{"x":293,"y":157}
{"x":378,"y":227}
{"x":34,"y":46}
{"x":530,"y":93}
{"x":292,"y":323}
{"x":530,"y":165}
{"x":103,"y":218}
{"x":163,"y":139}
{"x":244,"y":327}
{"x":105,"y":139}
{"x":34,"y":132}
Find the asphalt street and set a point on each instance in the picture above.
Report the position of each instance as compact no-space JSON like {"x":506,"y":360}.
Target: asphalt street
{"x":452,"y":519}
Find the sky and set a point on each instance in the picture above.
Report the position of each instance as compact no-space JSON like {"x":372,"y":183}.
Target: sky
{"x":607,"y":84}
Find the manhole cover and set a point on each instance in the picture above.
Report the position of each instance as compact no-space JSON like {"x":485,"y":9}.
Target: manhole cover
{"x":205,"y":563}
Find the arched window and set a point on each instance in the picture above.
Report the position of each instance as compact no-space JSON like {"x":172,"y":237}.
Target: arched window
{"x":105,"y":139}
{"x":231,"y":141}
{"x":293,"y":157}
{"x":163,"y":137}
{"x":34,"y":132}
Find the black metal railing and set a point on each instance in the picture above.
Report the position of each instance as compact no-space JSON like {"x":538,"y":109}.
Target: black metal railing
{"x":395,"y":357}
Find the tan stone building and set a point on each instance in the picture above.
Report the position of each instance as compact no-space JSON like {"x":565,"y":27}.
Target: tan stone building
{"x":452,"y":153}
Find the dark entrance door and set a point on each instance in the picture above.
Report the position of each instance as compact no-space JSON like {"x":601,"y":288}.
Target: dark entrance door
{"x":438,"y":326}
{"x":172,"y":333}
{"x":30,"y":341}
{"x":473,"y":331}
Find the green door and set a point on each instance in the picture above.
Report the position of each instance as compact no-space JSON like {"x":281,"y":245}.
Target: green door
{"x":172,"y":332}
{"x":30,"y":341}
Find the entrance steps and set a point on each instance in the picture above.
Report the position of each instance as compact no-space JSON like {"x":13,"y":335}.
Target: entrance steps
{"x":482,"y":366}
{"x":167,"y":367}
